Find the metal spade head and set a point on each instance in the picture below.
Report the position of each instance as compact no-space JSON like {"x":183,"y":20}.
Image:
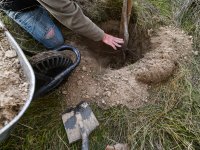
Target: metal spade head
{"x":71,"y":123}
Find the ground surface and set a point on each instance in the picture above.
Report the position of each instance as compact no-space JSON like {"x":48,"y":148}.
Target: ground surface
{"x":171,"y":122}
{"x":13,"y":85}
{"x":94,"y":81}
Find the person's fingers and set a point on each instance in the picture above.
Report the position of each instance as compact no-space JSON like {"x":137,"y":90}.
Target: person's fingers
{"x":116,"y":44}
{"x":119,"y":41}
{"x":113,"y":46}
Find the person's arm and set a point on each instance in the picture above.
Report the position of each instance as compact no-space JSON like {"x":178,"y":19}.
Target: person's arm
{"x":70,"y":15}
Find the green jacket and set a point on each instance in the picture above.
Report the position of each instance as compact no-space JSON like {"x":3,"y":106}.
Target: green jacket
{"x":70,"y":15}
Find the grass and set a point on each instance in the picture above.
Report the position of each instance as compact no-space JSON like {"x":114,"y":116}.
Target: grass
{"x":187,"y":16}
{"x":152,"y":13}
{"x":170,"y":123}
{"x":42,"y":127}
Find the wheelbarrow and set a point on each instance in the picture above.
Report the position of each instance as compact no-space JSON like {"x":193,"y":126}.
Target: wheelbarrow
{"x":28,"y":71}
{"x":44,"y":72}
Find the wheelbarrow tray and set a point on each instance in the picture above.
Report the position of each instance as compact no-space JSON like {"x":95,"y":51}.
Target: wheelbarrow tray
{"x":30,"y":77}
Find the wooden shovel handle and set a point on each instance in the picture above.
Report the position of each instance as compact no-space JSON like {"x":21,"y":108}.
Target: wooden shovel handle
{"x":129,"y":9}
{"x":123,"y":22}
{"x":125,"y":19}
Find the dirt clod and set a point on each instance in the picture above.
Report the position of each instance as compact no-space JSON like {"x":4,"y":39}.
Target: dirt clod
{"x":84,"y":68}
{"x":118,"y":147}
{"x":10,"y":54}
{"x":155,"y":71}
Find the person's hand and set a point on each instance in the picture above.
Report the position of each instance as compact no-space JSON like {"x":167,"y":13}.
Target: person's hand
{"x":114,"y":42}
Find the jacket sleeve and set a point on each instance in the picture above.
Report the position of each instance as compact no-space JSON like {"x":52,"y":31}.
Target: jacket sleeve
{"x":70,"y":15}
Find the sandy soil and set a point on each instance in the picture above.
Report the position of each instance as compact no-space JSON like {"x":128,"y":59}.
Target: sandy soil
{"x":13,"y":85}
{"x":128,"y":86}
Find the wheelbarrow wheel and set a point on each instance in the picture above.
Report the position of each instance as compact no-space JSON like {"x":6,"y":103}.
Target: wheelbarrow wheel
{"x":47,"y":65}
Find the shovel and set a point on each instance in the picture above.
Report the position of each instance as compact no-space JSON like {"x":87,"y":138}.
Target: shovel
{"x":125,"y":19}
{"x":79,"y":122}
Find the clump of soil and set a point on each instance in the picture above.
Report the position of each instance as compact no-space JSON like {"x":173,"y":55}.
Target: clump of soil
{"x":128,"y":86}
{"x":13,"y":85}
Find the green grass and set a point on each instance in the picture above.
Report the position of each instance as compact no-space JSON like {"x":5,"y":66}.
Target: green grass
{"x":163,"y":6}
{"x":171,"y":122}
{"x":42,"y":127}
{"x":151,"y":13}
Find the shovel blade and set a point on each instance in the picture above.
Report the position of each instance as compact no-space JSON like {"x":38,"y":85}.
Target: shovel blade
{"x":71,"y":123}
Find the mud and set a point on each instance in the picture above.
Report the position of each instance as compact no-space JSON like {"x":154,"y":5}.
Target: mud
{"x":128,"y":86}
{"x":13,"y":85}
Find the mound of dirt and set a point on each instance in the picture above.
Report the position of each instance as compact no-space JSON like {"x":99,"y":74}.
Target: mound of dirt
{"x":13,"y":85}
{"x":169,"y":45}
{"x":128,"y":86}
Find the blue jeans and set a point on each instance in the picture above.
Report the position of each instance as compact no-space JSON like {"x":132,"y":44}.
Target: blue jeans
{"x":40,"y":25}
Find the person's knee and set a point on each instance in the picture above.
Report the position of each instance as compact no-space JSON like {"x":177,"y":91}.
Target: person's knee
{"x":55,"y":39}
{"x":50,"y":34}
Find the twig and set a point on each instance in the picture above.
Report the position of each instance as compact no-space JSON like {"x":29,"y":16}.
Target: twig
{"x":62,"y":140}
{"x":17,"y":136}
{"x":25,"y":126}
